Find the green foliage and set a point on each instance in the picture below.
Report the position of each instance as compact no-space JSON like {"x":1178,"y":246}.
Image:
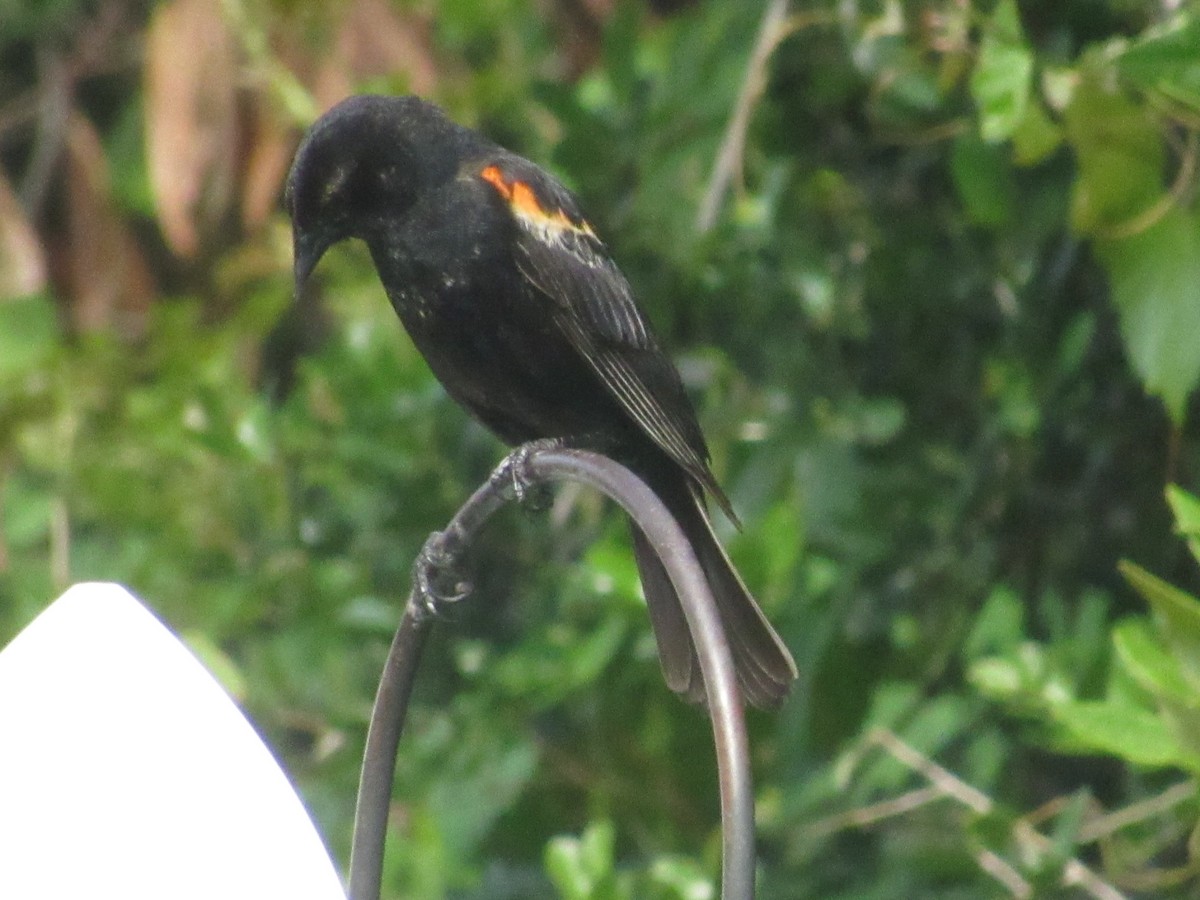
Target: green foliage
{"x":1003,"y":76}
{"x":1162,"y":62}
{"x":942,"y":337}
{"x":1154,"y":275}
{"x":584,"y":868}
{"x":1148,"y":713}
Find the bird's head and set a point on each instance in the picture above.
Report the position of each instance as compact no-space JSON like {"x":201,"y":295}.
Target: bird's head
{"x":360,"y":167}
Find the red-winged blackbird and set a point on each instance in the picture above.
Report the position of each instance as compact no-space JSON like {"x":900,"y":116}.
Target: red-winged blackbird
{"x":527,"y":322}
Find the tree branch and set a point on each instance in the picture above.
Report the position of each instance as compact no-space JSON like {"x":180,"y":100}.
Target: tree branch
{"x":1074,"y":873}
{"x":729,"y":157}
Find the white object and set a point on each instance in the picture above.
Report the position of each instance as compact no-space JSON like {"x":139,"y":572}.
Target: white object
{"x":127,"y":772}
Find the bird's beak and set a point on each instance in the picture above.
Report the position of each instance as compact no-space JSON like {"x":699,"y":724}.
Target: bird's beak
{"x":306,"y":253}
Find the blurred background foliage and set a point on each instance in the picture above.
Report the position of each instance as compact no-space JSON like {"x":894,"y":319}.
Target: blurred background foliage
{"x":932,"y":270}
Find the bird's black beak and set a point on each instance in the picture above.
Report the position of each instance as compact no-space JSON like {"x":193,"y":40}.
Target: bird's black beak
{"x":306,"y":253}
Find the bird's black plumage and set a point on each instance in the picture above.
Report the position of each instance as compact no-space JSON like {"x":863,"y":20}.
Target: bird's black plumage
{"x":527,"y":322}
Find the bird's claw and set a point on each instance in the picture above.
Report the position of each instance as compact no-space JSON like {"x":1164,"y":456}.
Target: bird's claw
{"x":437,"y":579}
{"x":527,"y":488}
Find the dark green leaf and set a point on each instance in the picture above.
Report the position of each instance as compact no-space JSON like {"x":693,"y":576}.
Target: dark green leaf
{"x":1118,"y":149}
{"x":1155,"y":279}
{"x":1167,"y":61}
{"x":983,"y":177}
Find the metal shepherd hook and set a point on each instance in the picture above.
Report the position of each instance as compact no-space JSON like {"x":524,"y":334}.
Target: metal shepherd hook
{"x":540,"y":464}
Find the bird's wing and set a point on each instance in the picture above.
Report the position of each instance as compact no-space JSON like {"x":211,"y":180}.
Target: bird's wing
{"x":593,"y":305}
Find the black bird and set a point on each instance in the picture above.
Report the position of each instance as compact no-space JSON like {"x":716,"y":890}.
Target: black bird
{"x":514,"y":302}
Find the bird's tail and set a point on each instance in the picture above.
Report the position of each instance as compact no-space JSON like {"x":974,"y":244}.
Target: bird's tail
{"x":764,"y":666}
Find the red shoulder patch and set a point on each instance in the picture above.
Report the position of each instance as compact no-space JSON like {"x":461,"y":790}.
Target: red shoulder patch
{"x":529,"y":210}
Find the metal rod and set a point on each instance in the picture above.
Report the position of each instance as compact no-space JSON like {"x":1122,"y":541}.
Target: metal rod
{"x":533,"y":464}
{"x":708,"y":634}
{"x":379,"y":759}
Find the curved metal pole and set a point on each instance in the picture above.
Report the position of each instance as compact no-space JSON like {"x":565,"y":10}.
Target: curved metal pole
{"x":379,"y":758}
{"x":395,"y":689}
{"x":544,"y":462}
{"x":708,"y":634}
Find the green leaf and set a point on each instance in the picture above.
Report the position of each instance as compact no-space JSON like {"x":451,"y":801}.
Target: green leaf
{"x":1119,"y":153}
{"x":1025,"y":675}
{"x":1169,"y":672}
{"x":1168,"y":62}
{"x":1035,"y":137}
{"x":1155,"y":280}
{"x":1150,"y":663}
{"x":596,"y":848}
{"x":682,"y":877}
{"x":563,"y":868}
{"x":1186,"y":508}
{"x":999,"y":625}
{"x":1131,"y":733}
{"x":583,"y":868}
{"x":998,"y":678}
{"x":1178,"y":613}
{"x":1002,"y":78}
{"x":983,"y":178}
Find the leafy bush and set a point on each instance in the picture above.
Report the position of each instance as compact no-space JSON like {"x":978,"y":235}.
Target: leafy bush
{"x":937,"y":304}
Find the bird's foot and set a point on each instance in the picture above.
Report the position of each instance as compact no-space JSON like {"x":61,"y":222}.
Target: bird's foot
{"x":437,"y":575}
{"x":514,"y":473}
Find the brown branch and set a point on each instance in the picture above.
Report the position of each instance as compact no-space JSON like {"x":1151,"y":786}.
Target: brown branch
{"x":865,"y":816}
{"x":1075,"y":873}
{"x":1104,"y":826}
{"x":729,"y":158}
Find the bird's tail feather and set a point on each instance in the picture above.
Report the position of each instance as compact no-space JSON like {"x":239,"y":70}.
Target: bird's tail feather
{"x":764,"y":666}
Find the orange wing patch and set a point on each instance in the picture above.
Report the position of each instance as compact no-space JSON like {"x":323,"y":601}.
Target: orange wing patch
{"x":547,"y":224}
